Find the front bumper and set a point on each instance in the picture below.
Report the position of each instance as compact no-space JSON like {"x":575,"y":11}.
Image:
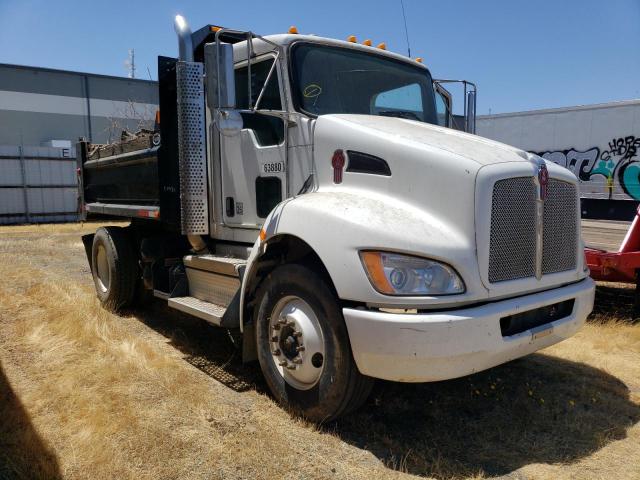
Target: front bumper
{"x":435,"y":346}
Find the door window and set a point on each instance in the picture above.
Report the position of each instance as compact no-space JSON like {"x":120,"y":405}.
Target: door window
{"x":442,"y":108}
{"x":259,"y":73}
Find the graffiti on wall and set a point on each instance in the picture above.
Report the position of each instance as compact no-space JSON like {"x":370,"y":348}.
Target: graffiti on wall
{"x":616,"y":166}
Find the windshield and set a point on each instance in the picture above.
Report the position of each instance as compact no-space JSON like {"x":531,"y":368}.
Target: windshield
{"x":340,"y":80}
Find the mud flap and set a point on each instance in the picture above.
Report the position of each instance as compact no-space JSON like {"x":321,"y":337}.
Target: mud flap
{"x":87,"y":240}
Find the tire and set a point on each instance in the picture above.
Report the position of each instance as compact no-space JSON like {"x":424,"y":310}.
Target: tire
{"x":319,"y":388}
{"x":114,"y":268}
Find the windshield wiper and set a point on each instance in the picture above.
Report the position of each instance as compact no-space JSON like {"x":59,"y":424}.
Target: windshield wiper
{"x":400,"y":114}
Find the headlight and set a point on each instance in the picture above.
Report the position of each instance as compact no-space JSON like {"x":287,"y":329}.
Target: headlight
{"x":396,"y":274}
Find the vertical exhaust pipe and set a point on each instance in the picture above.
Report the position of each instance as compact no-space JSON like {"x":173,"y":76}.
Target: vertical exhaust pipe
{"x":185,"y":44}
{"x":185,"y":54}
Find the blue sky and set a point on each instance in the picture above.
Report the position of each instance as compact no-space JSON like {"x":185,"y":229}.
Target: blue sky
{"x":523,"y":55}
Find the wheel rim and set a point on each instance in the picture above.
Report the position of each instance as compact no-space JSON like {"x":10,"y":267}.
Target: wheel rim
{"x":297,"y":344}
{"x":102,"y":269}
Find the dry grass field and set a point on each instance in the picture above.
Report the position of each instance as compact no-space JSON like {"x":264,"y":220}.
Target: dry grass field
{"x":157,"y":395}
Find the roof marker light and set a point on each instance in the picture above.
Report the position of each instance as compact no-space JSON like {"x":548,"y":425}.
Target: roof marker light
{"x":367,"y":42}
{"x":352,"y":39}
{"x":419,"y":59}
{"x":215,"y":28}
{"x":293,"y":30}
{"x":382,"y":46}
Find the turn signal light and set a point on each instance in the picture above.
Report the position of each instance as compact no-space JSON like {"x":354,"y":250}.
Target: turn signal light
{"x":375,"y":270}
{"x":293,"y":29}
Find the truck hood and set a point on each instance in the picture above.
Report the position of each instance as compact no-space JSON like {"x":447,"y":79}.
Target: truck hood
{"x":425,"y":203}
{"x":478,"y":149}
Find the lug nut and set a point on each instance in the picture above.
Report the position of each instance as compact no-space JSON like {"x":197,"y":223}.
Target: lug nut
{"x":275,"y":351}
{"x":283,"y":363}
{"x":297,"y":360}
{"x":291,"y":324}
{"x":297,"y":333}
{"x":282,"y":321}
{"x":275,"y":338}
{"x":291,"y":367}
{"x":300,"y":348}
{"x":276,"y":327}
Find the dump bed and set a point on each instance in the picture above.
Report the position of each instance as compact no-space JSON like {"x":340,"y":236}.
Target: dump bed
{"x":122,"y":178}
{"x":136,"y":177}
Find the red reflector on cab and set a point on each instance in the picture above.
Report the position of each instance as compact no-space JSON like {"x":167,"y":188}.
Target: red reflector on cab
{"x":337,"y":162}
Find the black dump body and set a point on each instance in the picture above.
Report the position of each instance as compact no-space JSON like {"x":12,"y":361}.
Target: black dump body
{"x":125,"y":173}
{"x":137,"y":177}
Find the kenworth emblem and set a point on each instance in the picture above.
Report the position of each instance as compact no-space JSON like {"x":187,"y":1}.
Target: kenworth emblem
{"x":543,"y":180}
{"x":543,"y":183}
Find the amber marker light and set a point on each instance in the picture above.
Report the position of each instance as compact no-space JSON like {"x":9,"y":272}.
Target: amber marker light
{"x":352,"y":39}
{"x":382,"y":46}
{"x":419,"y":59}
{"x":293,"y":30}
{"x":367,"y":42}
{"x":372,"y":262}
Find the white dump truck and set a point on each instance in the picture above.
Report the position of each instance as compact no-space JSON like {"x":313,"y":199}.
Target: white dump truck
{"x":300,"y":191}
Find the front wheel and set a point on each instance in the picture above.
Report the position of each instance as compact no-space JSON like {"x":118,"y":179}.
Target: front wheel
{"x":303,"y":346}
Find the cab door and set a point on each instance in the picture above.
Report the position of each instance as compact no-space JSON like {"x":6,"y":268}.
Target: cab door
{"x":254,"y":163}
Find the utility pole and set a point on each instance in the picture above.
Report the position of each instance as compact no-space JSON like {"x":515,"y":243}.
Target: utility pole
{"x":130,"y":64}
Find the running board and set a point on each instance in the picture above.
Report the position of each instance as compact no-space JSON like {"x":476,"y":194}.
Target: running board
{"x":230,"y":266}
{"x":210,"y":312}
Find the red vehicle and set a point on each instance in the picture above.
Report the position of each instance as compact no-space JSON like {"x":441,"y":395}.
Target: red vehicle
{"x":620,"y":266}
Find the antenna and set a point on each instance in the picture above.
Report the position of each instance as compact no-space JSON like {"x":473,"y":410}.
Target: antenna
{"x":130,"y":64}
{"x":406,"y":30}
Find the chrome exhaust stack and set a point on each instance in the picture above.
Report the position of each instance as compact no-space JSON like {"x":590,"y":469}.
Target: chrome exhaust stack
{"x":185,"y":44}
{"x":194,"y":205}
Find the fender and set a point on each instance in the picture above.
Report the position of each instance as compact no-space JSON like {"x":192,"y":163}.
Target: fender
{"x":337,"y":224}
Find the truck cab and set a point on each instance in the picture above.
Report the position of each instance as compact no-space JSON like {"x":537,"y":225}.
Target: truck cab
{"x":311,"y":194}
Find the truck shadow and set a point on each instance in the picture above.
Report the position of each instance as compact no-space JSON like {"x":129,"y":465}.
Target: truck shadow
{"x":210,"y":349}
{"x":23,"y":453}
{"x":539,"y":409}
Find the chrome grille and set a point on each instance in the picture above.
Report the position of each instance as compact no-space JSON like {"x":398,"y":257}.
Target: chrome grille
{"x":512,"y":242}
{"x":512,"y":245}
{"x":560,"y":232}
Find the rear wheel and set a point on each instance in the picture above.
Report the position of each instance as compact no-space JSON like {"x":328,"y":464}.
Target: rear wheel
{"x":114,"y":268}
{"x":303,"y":346}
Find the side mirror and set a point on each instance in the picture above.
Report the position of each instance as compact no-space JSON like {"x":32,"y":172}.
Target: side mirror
{"x":470,"y":120}
{"x":221,"y":87}
{"x":221,"y":83}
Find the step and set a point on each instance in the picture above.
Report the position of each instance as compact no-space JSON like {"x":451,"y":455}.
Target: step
{"x":216,"y":264}
{"x":210,"y":312}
